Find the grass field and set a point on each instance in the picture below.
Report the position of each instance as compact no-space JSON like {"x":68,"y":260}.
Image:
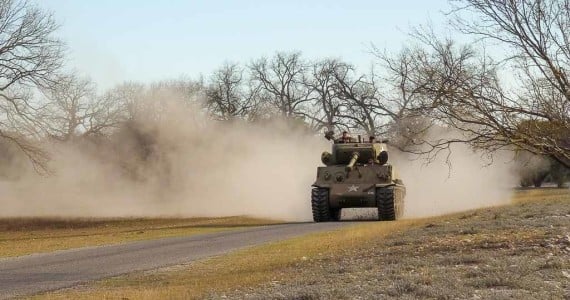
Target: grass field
{"x":518,"y":251}
{"x":21,"y":236}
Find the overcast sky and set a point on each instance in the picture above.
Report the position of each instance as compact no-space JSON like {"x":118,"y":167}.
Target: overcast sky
{"x":143,"y":40}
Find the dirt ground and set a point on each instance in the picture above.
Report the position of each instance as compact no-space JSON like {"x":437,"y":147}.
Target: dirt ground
{"x":520,"y":251}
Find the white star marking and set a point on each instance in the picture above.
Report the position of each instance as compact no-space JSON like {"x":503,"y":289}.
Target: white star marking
{"x":353,"y":188}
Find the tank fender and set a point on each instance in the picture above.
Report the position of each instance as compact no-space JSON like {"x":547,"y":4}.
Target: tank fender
{"x":321,"y":185}
{"x":381,"y":185}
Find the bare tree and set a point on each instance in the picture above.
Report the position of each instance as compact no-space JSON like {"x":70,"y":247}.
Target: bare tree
{"x":280,"y":80}
{"x":405,"y":78}
{"x":227,"y":97}
{"x":30,"y":55}
{"x":461,"y":91}
{"x":326,"y":105}
{"x":29,"y":51}
{"x":363,"y":106}
{"x":537,"y":35}
{"x":66,"y":111}
{"x":403,"y":97}
{"x":74,"y":109}
{"x":343,"y":98}
{"x":185,"y":89}
{"x":127,"y":94}
{"x":464,"y":88}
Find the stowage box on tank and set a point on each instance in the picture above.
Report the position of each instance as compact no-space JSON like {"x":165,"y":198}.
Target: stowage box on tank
{"x":357,"y":174}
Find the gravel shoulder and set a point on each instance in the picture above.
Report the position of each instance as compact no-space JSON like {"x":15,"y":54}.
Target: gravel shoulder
{"x":521,"y":251}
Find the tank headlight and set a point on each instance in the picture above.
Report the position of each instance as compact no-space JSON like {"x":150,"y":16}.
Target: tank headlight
{"x":339,"y":177}
{"x":326,"y":158}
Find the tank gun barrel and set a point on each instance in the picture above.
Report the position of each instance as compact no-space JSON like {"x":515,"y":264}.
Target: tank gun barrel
{"x":352,"y":161}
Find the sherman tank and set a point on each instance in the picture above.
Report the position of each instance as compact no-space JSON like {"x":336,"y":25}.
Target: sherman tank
{"x":357,"y":174}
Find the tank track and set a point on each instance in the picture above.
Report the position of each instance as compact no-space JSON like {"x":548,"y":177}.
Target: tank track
{"x":390,"y":202}
{"x":320,"y":205}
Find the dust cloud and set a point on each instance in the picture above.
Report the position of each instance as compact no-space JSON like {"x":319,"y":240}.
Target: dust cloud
{"x":178,"y":163}
{"x":465,"y":180}
{"x":436,"y":186}
{"x":173,"y":161}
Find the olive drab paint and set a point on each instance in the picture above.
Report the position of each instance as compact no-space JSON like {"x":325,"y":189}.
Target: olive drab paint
{"x":357,"y":174}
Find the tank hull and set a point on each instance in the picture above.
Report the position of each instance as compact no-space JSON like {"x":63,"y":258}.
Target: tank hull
{"x":365,"y":186}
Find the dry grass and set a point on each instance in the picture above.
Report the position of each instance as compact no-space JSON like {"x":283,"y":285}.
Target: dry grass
{"x":242,"y":268}
{"x":21,"y":236}
{"x":522,"y":196}
{"x":513,"y":251}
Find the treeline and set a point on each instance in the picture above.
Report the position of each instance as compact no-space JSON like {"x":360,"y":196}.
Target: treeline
{"x":326,"y":93}
{"x":535,"y":170}
{"x":466,"y":94}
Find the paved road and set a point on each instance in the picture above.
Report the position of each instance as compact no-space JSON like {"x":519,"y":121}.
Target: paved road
{"x":31,"y":274}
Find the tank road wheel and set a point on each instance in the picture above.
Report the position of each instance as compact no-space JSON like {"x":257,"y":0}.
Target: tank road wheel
{"x":320,"y":203}
{"x":390,"y":203}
